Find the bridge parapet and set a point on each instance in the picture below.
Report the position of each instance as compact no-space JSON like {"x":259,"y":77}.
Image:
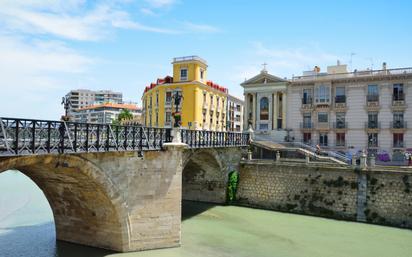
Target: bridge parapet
{"x":36,"y":137}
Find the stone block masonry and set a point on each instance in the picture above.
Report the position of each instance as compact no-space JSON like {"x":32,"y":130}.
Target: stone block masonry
{"x":340,"y":192}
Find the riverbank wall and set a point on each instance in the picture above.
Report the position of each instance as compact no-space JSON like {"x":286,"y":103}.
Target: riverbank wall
{"x":379,"y":195}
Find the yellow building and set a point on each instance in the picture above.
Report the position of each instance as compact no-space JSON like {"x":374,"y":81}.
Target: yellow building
{"x":203,"y":104}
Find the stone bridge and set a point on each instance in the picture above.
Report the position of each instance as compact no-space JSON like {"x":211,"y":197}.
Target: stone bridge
{"x":126,"y":200}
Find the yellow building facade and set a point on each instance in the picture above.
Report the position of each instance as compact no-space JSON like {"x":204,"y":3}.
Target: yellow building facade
{"x":203,"y":103}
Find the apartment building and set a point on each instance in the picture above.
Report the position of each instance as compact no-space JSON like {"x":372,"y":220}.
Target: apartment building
{"x":105,"y":113}
{"x":202,"y":105}
{"x":82,"y":98}
{"x":234,"y":114}
{"x":341,"y":110}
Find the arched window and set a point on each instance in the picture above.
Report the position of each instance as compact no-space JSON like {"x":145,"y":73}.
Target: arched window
{"x":264,"y":108}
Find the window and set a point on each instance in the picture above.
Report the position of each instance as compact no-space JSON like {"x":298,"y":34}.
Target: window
{"x":307,"y":138}
{"x":398,"y":120}
{"x":183,"y":74}
{"x":398,"y":94}
{"x":157,"y":98}
{"x":323,"y":139}
{"x":340,"y":95}
{"x":150,"y":102}
{"x":157,"y":119}
{"x":217,"y":101}
{"x":211,"y":100}
{"x":168,"y":117}
{"x":340,"y":120}
{"x":373,"y":93}
{"x":202,"y":74}
{"x":372,"y":140}
{"x":397,"y":140}
{"x":322,"y":117}
{"x":322,"y":94}
{"x":372,"y":120}
{"x":307,"y":96}
{"x":340,"y":139}
{"x":168,"y":97}
{"x":307,"y":120}
{"x":264,"y":108}
{"x":204,"y":97}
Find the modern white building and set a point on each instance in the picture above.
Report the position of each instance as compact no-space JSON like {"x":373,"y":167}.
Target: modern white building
{"x":337,"y":109}
{"x":234,"y":114}
{"x":81,"y":98}
{"x":105,"y":113}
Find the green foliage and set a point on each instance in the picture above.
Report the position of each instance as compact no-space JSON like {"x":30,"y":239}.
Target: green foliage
{"x":125,"y":115}
{"x":232,"y":186}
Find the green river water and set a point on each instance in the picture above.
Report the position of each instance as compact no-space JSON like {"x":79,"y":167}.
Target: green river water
{"x":26,"y":229}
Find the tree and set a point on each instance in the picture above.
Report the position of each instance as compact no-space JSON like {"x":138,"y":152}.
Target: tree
{"x":125,"y":114}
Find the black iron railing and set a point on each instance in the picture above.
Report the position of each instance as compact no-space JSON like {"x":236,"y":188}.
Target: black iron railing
{"x":213,"y":139}
{"x":29,"y":137}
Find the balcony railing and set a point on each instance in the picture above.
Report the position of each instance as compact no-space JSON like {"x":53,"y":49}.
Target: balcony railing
{"x":340,"y":99}
{"x":399,"y":124}
{"x":306,"y":125}
{"x":307,"y":100}
{"x":398,"y":97}
{"x":356,"y":74}
{"x":372,"y":98}
{"x":399,"y":144}
{"x":372,"y":125}
{"x":340,"y":125}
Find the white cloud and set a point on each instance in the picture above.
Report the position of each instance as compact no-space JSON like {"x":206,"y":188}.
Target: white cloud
{"x":33,"y":76}
{"x":161,"y":3}
{"x":70,"y":20}
{"x":202,"y":28}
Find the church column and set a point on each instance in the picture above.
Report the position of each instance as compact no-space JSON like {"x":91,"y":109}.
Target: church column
{"x":274,"y":120}
{"x":254,"y":113}
{"x":284,"y":106}
{"x":246,"y":111}
{"x":276,"y":109}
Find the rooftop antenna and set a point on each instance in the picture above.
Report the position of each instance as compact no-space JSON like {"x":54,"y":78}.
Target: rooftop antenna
{"x":371,"y":61}
{"x":351,"y":58}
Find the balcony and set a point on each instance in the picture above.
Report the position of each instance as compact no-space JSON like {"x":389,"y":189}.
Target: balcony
{"x":340,"y":102}
{"x":398,"y":125}
{"x":372,"y":125}
{"x":323,"y":126}
{"x":398,"y":102}
{"x":307,"y":104}
{"x":372,"y":102}
{"x":306,"y":125}
{"x":340,"y":125}
{"x":168,"y":124}
{"x":398,"y":144}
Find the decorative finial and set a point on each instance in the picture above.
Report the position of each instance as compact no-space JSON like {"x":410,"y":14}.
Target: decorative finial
{"x":264,"y":66}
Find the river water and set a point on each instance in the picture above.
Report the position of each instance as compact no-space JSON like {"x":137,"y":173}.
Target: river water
{"x":27,"y":229}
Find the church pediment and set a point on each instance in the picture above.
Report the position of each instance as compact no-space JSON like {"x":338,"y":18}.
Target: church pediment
{"x":263,"y":78}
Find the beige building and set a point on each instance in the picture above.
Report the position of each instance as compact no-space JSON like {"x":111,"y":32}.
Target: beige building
{"x":106,"y":113}
{"x":234,"y":114}
{"x":337,"y":109}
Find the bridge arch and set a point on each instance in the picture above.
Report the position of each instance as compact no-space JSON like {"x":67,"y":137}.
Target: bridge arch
{"x":86,"y":205}
{"x":205,"y":173}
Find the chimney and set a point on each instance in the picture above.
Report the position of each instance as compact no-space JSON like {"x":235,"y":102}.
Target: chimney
{"x":384,"y":66}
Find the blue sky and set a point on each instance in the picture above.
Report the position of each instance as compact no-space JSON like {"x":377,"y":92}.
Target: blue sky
{"x":49,"y":47}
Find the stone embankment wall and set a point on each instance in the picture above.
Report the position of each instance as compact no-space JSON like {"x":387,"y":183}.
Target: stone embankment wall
{"x":375,"y":196}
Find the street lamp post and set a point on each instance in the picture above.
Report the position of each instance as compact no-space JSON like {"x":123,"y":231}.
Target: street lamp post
{"x":67,"y":104}
{"x":177,"y":116}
